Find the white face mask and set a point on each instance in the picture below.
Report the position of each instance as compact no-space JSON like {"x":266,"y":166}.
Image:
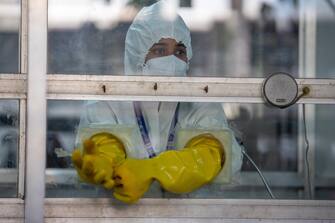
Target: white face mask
{"x":165,"y":66}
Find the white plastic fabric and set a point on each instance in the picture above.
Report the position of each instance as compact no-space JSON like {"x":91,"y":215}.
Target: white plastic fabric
{"x":148,"y":28}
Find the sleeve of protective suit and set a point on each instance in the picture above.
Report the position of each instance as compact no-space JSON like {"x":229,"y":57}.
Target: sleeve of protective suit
{"x":101,"y":153}
{"x":209,"y":116}
{"x":178,"y":171}
{"x":95,"y":112}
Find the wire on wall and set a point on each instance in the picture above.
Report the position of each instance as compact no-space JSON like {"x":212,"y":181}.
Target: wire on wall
{"x":266,"y":184}
{"x":306,"y":152}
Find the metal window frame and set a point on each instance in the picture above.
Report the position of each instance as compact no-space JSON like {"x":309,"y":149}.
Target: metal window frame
{"x":191,"y":208}
{"x":86,"y":87}
{"x":132,"y":88}
{"x":36,"y":111}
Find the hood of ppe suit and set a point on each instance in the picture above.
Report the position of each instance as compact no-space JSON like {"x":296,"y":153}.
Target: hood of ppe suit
{"x":148,"y":27}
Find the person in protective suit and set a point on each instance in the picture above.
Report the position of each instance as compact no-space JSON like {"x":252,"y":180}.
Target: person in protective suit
{"x":154,"y":46}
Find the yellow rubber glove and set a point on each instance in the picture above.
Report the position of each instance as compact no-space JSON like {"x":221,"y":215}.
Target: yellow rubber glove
{"x":101,"y":153}
{"x":178,"y":171}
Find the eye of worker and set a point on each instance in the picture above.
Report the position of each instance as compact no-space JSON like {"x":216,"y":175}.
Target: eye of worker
{"x":167,"y":47}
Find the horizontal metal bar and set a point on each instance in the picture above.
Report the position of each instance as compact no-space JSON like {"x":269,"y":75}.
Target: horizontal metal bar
{"x":191,"y":208}
{"x":177,"y":98}
{"x":11,"y":220}
{"x":8,"y":96}
{"x":173,"y":220}
{"x":124,"y":78}
{"x":11,"y":208}
{"x":157,"y":98}
{"x":177,"y":88}
{"x":79,"y":208}
{"x":13,"y":86}
{"x":167,"y":88}
{"x":15,"y":77}
{"x":96,"y":87}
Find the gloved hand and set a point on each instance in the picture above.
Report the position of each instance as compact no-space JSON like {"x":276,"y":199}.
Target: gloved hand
{"x":102,"y":152}
{"x":178,"y":171}
{"x":132,"y":179}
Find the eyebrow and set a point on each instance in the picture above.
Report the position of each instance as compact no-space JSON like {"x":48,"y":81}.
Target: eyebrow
{"x":164,"y":44}
{"x":181,"y":44}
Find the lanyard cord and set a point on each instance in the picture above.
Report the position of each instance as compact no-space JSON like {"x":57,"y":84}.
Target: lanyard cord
{"x":145,"y":133}
{"x":170,"y":143}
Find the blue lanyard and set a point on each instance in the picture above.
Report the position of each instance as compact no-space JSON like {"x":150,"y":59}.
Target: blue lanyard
{"x":170,"y":143}
{"x":145,"y":133}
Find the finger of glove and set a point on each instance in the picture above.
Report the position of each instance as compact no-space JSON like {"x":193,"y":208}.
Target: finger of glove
{"x":109,"y":184}
{"x":88,"y":146}
{"x":88,"y":166}
{"x":118,"y":179}
{"x":77,"y":159}
{"x":99,"y":177}
{"x":124,"y":198}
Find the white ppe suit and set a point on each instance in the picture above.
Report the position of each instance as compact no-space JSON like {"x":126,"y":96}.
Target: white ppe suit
{"x":148,"y":28}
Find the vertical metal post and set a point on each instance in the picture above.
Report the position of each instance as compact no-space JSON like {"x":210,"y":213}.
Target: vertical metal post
{"x":23,"y":37}
{"x":36,"y":111}
{"x":23,"y":103}
{"x":22,"y":148}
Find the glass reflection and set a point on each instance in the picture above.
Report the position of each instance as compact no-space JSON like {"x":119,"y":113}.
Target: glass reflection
{"x":9,"y":36}
{"x":9,"y":122}
{"x":229,"y":38}
{"x":324,"y":151}
{"x":325,"y":60}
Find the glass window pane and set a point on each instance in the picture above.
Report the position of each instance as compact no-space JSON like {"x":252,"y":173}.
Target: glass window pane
{"x":229,"y":38}
{"x":9,"y":36}
{"x":325,"y":150}
{"x":325,"y":34}
{"x":9,"y":137}
{"x":270,"y":137}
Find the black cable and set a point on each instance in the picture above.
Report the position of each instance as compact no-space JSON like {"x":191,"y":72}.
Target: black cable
{"x":260,"y":174}
{"x":306,"y":153}
{"x":305,"y":91}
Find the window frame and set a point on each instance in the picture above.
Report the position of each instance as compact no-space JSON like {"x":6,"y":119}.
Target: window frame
{"x":30,"y":203}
